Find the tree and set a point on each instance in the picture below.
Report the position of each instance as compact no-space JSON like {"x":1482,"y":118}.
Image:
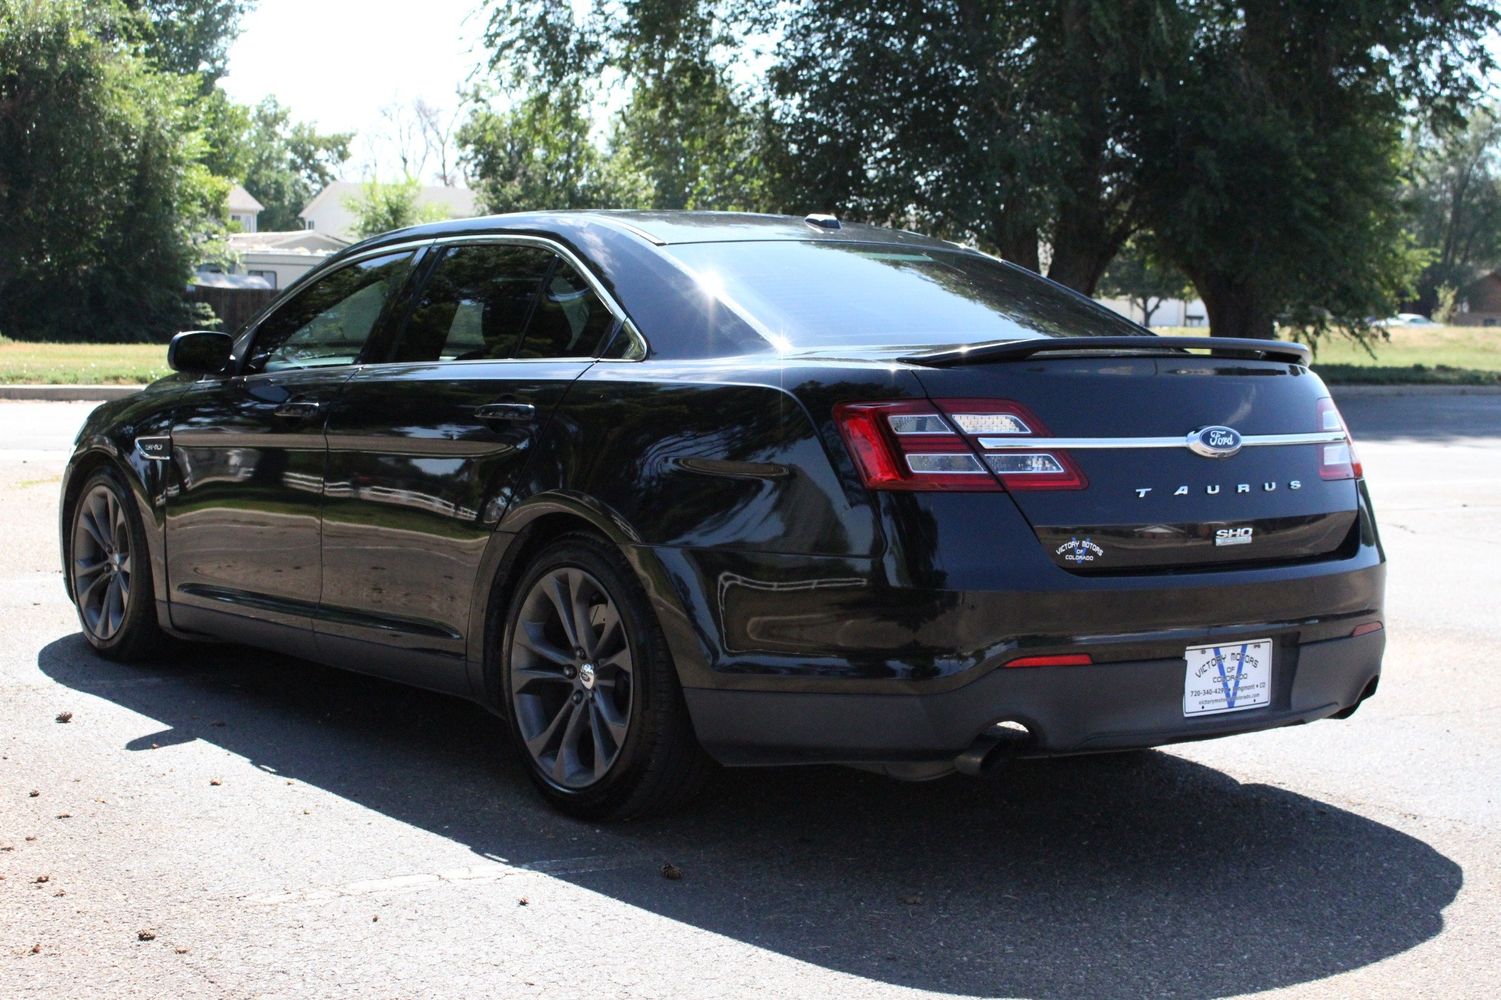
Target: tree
{"x":1139,"y":277}
{"x":1454,"y":200}
{"x":381,"y":208}
{"x":103,"y":201}
{"x":189,"y":36}
{"x":686,"y":137}
{"x":284,"y":163}
{"x":539,"y":155}
{"x":1273,"y":154}
{"x":1009,"y":125}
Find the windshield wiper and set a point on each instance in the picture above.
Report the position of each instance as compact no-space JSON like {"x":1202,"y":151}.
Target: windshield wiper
{"x":1012,"y":350}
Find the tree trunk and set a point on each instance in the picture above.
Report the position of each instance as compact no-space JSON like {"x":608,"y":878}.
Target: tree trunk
{"x":1016,"y":240}
{"x":1236,"y":308}
{"x":1082,"y":249}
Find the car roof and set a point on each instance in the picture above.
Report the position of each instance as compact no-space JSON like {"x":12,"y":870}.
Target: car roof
{"x":665,"y":228}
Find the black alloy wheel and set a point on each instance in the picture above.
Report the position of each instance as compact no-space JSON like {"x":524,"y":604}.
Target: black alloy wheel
{"x":592,"y":696}
{"x":110,"y":571}
{"x":571,"y":681}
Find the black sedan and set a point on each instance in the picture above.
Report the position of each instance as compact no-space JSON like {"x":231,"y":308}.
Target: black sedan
{"x":666,"y":489}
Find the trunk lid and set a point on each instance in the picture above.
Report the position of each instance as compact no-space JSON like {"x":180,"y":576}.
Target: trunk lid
{"x":1150,"y":502}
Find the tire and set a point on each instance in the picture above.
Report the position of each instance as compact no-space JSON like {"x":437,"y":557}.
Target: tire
{"x":601,"y":726}
{"x":109,"y":571}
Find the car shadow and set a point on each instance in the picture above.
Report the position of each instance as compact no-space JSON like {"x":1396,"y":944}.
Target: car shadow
{"x":1130,"y":875}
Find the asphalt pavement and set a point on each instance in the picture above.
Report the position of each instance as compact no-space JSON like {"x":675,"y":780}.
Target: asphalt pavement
{"x":233,"y":823}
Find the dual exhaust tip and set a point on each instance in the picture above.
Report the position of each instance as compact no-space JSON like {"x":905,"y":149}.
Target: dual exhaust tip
{"x":994,"y":748}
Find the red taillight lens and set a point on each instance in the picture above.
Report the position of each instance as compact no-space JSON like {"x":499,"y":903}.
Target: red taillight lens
{"x":952,"y":444}
{"x":1065,"y":660}
{"x":1336,"y":461}
{"x":909,"y":446}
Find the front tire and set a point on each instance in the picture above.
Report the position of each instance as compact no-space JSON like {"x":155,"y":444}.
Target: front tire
{"x":593,"y":701}
{"x":109,"y":569}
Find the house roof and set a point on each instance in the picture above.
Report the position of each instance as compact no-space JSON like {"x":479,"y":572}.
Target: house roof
{"x":294,"y":241}
{"x":460,"y":202}
{"x":241,"y":200}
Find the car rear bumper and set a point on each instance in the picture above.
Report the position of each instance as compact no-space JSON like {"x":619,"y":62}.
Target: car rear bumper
{"x":1067,"y":709}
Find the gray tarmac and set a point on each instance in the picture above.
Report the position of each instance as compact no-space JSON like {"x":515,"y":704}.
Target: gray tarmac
{"x":274,"y":828}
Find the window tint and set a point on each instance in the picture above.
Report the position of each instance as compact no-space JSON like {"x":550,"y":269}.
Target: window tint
{"x":476,"y":303}
{"x":570,"y":321}
{"x":815,"y":295}
{"x":328,"y":322}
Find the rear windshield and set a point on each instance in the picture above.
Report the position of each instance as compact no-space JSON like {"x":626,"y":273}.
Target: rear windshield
{"x":812,"y":296}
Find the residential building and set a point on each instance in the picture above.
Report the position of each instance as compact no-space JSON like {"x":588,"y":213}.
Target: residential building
{"x":243,"y":209}
{"x":330,"y":212}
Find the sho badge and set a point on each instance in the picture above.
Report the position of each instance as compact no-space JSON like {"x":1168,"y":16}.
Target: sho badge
{"x":1079,"y":550}
{"x":1234,"y":536}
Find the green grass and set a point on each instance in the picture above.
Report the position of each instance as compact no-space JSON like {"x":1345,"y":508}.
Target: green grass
{"x":1437,"y":355}
{"x":81,"y":364}
{"x":1431,"y":355}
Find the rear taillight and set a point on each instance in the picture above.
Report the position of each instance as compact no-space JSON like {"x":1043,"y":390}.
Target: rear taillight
{"x":1338,"y":460}
{"x":952,"y":444}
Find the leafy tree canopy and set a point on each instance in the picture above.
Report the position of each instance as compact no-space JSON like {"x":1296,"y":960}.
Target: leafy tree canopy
{"x":1454,"y":198}
{"x":104,"y":201}
{"x":188,"y":36}
{"x":286,"y":162}
{"x":382,"y":207}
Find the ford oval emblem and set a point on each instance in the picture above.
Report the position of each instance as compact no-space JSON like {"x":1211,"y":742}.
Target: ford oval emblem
{"x":1215,"y":442}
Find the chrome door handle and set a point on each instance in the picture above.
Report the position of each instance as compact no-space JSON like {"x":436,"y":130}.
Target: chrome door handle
{"x":298,"y":409}
{"x":507,"y":413}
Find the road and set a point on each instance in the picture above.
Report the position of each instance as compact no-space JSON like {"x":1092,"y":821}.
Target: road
{"x":283,"y":829}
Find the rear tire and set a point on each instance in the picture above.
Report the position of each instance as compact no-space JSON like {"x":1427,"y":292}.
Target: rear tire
{"x":592,"y":696}
{"x":109,"y":571}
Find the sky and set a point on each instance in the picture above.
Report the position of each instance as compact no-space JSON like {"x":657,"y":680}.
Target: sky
{"x":337,"y":63}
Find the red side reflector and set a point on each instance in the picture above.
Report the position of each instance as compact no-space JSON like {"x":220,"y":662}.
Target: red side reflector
{"x":1365,"y":629}
{"x":1066,"y":660}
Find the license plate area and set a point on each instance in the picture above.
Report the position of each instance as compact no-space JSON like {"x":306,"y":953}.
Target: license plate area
{"x":1227,"y":677}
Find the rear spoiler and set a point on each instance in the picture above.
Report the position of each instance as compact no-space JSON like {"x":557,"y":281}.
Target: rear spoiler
{"x":1013,"y":350}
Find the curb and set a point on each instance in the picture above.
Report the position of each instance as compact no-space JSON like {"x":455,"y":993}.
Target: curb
{"x":68,"y":393}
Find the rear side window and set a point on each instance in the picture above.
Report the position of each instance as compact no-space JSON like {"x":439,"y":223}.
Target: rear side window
{"x":570,"y":321}
{"x":490,"y":300}
{"x":328,"y":322}
{"x":476,"y":303}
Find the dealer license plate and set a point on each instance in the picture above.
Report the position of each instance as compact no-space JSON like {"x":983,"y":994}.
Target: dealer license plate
{"x":1227,"y":677}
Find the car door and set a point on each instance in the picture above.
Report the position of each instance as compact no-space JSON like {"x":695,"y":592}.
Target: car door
{"x":424,"y":450}
{"x":243,"y":520}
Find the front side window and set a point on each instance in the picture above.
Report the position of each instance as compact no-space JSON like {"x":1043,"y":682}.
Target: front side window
{"x":328,"y":322}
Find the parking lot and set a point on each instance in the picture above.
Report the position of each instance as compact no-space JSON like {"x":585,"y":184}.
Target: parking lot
{"x":232,"y":823}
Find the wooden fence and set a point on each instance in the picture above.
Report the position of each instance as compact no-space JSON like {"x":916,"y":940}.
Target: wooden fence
{"x":233,"y":306}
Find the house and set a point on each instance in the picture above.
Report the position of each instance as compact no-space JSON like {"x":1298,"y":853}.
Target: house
{"x":243,"y":208}
{"x":330,"y":212}
{"x":281,"y":258}
{"x":1165,"y":312}
{"x":1479,"y":302}
{"x":269,"y":260}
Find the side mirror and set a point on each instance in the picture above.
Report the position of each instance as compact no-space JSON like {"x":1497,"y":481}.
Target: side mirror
{"x":200,"y":352}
